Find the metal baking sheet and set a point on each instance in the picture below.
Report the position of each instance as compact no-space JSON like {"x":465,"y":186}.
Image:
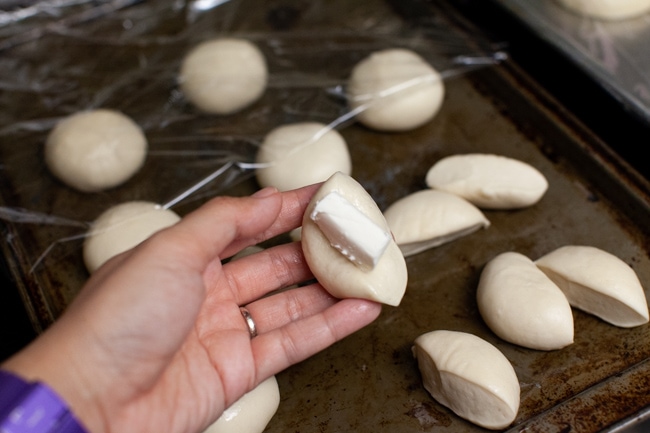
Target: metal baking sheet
{"x":368,"y":382}
{"x":615,"y":53}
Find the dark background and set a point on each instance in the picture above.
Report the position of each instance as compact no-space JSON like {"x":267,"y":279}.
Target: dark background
{"x":15,"y":328}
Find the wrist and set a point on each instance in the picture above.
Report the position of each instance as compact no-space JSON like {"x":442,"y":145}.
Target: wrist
{"x":33,"y":407}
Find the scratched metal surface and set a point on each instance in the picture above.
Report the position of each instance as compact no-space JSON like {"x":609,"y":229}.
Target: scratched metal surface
{"x":368,"y":382}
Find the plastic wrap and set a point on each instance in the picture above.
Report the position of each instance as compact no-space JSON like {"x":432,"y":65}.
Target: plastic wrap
{"x":614,"y":52}
{"x":62,"y":57}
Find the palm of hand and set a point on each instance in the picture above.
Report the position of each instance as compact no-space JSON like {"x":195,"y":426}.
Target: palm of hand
{"x":157,"y":338}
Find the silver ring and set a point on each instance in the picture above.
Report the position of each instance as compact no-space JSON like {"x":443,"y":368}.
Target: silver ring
{"x":252,"y":329}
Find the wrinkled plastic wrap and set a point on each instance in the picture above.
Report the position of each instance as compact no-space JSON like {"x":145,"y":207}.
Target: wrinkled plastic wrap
{"x":62,"y":57}
{"x":616,"y":53}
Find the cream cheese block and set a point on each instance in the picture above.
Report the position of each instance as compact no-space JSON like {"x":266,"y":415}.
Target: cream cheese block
{"x":252,"y":412}
{"x":395,"y":90}
{"x":520,"y":304}
{"x":429,"y":218}
{"x":340,"y":276}
{"x":121,"y":228}
{"x":488,"y":181}
{"x":470,"y":376}
{"x":350,"y":231}
{"x":598,"y":283}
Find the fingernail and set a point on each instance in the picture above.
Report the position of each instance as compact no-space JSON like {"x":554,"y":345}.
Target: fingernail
{"x":265,"y":192}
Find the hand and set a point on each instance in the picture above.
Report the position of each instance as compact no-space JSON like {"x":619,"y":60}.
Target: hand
{"x":155,"y":341}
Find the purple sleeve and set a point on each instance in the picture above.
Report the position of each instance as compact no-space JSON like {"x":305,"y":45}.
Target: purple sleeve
{"x":32,"y":407}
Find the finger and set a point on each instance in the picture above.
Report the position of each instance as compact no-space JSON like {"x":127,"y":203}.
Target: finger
{"x":225,"y":225}
{"x":288,"y":306}
{"x":254,"y":276}
{"x":209,"y":230}
{"x":290,"y":216}
{"x":278,"y":349}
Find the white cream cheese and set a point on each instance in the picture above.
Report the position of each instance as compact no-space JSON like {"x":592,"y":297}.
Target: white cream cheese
{"x":351,"y":232}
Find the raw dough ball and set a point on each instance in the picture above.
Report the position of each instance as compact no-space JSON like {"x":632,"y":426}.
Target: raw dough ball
{"x":607,"y":9}
{"x":301,"y":154}
{"x":522,"y":305}
{"x":597,"y":282}
{"x":385,"y":283}
{"x":95,"y":150}
{"x":222,"y":76}
{"x":470,"y":376}
{"x":428,"y":218}
{"x":488,"y":181}
{"x":121,"y":228}
{"x":252,"y":412}
{"x":400,"y":89}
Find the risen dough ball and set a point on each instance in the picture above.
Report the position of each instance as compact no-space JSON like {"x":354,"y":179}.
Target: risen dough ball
{"x":385,"y":283}
{"x":396,"y":89}
{"x":488,"y":181}
{"x":95,"y":150}
{"x":607,"y":9}
{"x":222,"y":76}
{"x":470,"y":376}
{"x":428,"y":218}
{"x":252,"y":412}
{"x":522,"y":305}
{"x":301,"y":154}
{"x":121,"y":228}
{"x":597,"y":282}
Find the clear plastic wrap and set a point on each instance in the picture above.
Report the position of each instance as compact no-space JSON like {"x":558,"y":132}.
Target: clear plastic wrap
{"x":614,"y":52}
{"x":62,"y":57}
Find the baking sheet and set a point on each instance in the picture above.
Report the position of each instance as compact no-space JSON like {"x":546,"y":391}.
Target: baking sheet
{"x":615,"y":53}
{"x":368,"y":382}
{"x":125,"y":55}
